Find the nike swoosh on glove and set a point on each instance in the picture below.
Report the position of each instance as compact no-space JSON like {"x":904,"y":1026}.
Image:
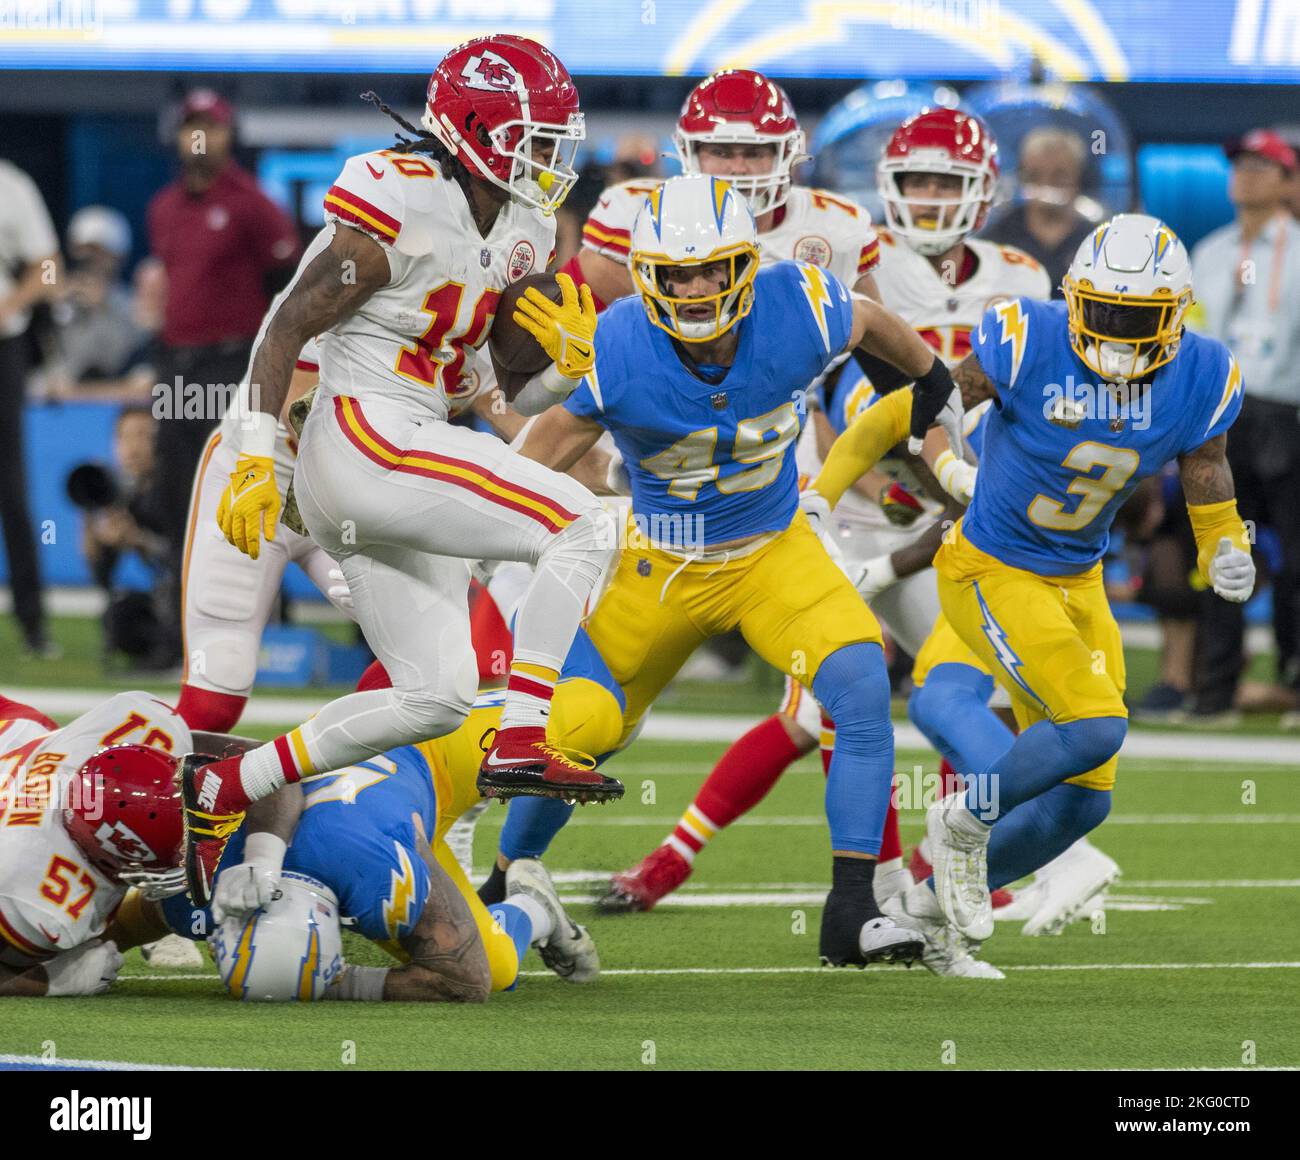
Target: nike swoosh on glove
{"x":1232,"y":573}
{"x":566,"y":330}
{"x":936,"y":399}
{"x":250,"y":504}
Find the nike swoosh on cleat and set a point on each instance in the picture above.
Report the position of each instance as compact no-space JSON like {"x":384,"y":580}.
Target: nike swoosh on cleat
{"x":492,"y":760}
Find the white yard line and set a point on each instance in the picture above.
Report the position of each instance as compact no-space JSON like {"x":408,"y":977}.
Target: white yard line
{"x":652,"y":971}
{"x":39,"y":1061}
{"x":592,"y":817}
{"x":1202,"y":747}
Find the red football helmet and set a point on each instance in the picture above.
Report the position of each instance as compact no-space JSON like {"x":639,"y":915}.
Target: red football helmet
{"x":123,"y":810}
{"x":939,"y":141}
{"x":494,"y":101}
{"x":739,"y":106}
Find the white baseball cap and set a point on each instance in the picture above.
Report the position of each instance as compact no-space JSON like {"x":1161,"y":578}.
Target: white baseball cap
{"x":97,"y":225}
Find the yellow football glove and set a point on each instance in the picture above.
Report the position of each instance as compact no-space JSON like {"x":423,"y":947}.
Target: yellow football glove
{"x":250,"y":503}
{"x":566,"y":330}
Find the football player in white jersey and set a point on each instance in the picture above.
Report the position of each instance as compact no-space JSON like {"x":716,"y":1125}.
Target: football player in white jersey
{"x":941,"y":281}
{"x":227,"y":596}
{"x":402,"y":285}
{"x":739,"y":125}
{"x":85,"y":812}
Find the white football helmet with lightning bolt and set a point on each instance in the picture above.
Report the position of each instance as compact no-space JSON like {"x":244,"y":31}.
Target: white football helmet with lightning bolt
{"x":291,"y":949}
{"x":1127,"y":290}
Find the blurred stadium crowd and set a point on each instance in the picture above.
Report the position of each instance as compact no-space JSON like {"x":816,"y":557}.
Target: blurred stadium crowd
{"x":80,"y":321}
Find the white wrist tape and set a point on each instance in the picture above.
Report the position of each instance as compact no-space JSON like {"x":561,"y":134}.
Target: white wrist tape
{"x":266,"y":851}
{"x":358,"y":984}
{"x":955,"y":476}
{"x":518,"y":441}
{"x":257,"y":434}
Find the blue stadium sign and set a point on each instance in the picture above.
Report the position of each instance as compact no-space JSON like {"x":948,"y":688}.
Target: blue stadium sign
{"x":1111,"y":40}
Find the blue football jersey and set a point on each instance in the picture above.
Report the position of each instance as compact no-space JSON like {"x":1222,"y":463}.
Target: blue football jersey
{"x":711,"y":461}
{"x":1060,"y":456}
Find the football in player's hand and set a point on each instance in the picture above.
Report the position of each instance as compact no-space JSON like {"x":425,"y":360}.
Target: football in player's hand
{"x":516,"y":353}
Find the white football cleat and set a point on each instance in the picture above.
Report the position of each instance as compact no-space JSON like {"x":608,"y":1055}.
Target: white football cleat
{"x":569,"y":950}
{"x":882,"y":940}
{"x":1025,"y":900}
{"x":172,"y":951}
{"x":959,"y":845}
{"x":948,"y":953}
{"x":1073,"y":886}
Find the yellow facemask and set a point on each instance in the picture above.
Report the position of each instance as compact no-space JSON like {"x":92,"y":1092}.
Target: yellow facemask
{"x":1124,"y":356}
{"x":730,"y":304}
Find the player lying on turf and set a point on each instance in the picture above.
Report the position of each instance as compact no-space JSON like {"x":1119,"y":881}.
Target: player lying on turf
{"x":1090,"y":396}
{"x":700,"y":383}
{"x":419,"y":245}
{"x":368,"y":844}
{"x":85,"y":812}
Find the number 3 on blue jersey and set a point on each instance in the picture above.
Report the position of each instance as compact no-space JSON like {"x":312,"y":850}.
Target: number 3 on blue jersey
{"x":689,"y":463}
{"x":1119,"y":463}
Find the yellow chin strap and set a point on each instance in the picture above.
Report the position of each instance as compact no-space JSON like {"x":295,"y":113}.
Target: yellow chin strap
{"x":664,"y":309}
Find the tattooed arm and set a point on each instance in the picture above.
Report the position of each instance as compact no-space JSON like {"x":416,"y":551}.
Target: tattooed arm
{"x":974,"y":384}
{"x":449,"y":963}
{"x":1205,"y":473}
{"x":335,"y":284}
{"x":1222,"y":540}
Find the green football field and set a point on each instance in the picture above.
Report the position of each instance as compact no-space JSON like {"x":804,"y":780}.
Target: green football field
{"x":1196,"y":964}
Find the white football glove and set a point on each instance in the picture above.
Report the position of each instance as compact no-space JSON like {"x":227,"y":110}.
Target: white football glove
{"x":873,"y":577}
{"x":950,"y":419}
{"x":956,"y":477}
{"x":89,"y":969}
{"x":1232,"y":573}
{"x":338,"y":591}
{"x":813,"y":504}
{"x":243,"y":889}
{"x":254,"y":882}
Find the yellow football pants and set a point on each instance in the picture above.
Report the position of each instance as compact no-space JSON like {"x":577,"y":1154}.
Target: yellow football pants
{"x":1051,"y":641}
{"x":789,"y":599}
{"x":585,"y":715}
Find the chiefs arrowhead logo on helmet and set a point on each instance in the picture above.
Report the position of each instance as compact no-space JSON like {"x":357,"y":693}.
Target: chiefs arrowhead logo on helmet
{"x":507,"y":109}
{"x":120,"y":841}
{"x":487,"y":70}
{"x":123,"y":811}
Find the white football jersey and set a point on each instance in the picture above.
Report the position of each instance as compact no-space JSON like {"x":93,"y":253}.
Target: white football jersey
{"x":944,"y":315}
{"x":414,"y":339}
{"x":51,"y":898}
{"x":813,"y":226}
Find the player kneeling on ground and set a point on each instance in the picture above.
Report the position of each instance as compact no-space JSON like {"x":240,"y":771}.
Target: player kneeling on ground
{"x":80,"y":823}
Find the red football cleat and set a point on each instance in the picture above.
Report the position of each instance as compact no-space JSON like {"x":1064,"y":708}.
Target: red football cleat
{"x":214,"y":801}
{"x":920,"y":870}
{"x":656,"y":876}
{"x":520,"y":762}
